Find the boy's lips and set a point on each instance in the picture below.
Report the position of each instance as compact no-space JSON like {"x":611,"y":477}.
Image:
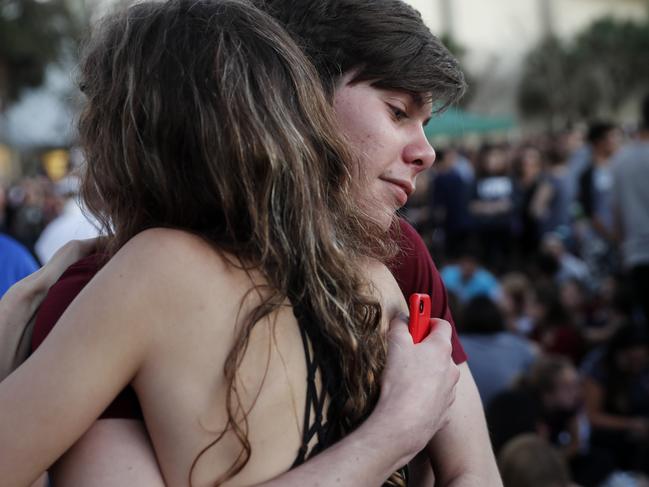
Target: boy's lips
{"x":401,"y":188}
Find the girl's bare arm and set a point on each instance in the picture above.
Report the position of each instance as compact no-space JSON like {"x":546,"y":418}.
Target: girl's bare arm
{"x":92,"y":353}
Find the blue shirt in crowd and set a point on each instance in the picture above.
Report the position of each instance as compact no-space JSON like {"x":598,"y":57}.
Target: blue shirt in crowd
{"x":15,"y":263}
{"x":481,"y":283}
{"x":496,"y":360}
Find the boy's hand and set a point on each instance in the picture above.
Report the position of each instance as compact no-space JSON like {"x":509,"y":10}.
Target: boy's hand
{"x":418,"y":383}
{"x":19,"y":304}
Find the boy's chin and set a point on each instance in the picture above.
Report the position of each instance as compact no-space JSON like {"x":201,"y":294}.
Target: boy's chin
{"x":385,"y":218}
{"x":381,"y":215}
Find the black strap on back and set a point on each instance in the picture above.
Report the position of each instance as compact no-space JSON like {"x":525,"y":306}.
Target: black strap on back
{"x":319,"y":357}
{"x":314,"y":402}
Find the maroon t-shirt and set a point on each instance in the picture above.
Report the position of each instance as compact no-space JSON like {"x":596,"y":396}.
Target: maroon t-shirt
{"x":413,"y":269}
{"x":415,"y":272}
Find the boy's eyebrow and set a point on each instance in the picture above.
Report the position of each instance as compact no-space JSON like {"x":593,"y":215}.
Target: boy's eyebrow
{"x":413,"y":97}
{"x":421,"y":102}
{"x":416,"y":99}
{"x":419,"y":99}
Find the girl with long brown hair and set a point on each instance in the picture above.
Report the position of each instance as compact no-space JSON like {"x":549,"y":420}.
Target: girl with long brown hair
{"x":235,"y":251}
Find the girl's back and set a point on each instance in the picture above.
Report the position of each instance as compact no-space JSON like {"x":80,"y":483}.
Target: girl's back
{"x":182,"y":389}
{"x":181,"y":384}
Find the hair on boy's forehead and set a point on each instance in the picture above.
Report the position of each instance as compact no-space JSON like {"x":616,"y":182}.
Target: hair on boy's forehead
{"x":385,"y":41}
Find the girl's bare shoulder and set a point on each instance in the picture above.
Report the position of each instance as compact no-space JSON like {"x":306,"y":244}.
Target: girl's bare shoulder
{"x":171,"y":250}
{"x":175,"y":274}
{"x":166,"y":257}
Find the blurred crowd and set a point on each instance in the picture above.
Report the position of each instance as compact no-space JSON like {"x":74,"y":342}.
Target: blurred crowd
{"x":42,"y":214}
{"x":545,"y":286}
{"x":37,"y":217}
{"x":544,"y":251}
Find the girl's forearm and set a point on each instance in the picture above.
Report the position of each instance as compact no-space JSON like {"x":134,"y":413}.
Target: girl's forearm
{"x":364,"y":458}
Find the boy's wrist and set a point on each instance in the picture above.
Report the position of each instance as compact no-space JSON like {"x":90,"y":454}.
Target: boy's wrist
{"x":384,"y":427}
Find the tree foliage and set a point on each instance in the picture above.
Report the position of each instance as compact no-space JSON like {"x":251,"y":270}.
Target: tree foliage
{"x":32,"y":34}
{"x":594,"y":74}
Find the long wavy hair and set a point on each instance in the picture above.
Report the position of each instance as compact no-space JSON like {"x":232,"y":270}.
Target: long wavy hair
{"x":203,"y":115}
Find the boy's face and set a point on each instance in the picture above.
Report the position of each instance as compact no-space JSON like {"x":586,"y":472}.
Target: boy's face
{"x":385,"y":129}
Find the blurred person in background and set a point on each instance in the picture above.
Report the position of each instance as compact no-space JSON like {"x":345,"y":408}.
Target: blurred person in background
{"x":492,"y":205}
{"x":515,"y":301}
{"x":579,"y":304}
{"x":572,"y":146}
{"x":530,"y":461}
{"x":524,"y":407}
{"x":556,"y":383}
{"x":569,"y":265}
{"x":612,"y":307}
{"x":466,"y":277}
{"x":554,"y":328}
{"x":533,"y":198}
{"x":595,"y":196}
{"x":616,"y":390}
{"x":31,"y":204}
{"x":497,"y":357}
{"x":511,"y":413}
{"x":71,"y":223}
{"x":558,"y":217}
{"x":599,"y":315}
{"x":543,"y":269}
{"x":547,"y":402}
{"x":631,"y":177}
{"x":464,"y":166}
{"x":449,"y":201}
